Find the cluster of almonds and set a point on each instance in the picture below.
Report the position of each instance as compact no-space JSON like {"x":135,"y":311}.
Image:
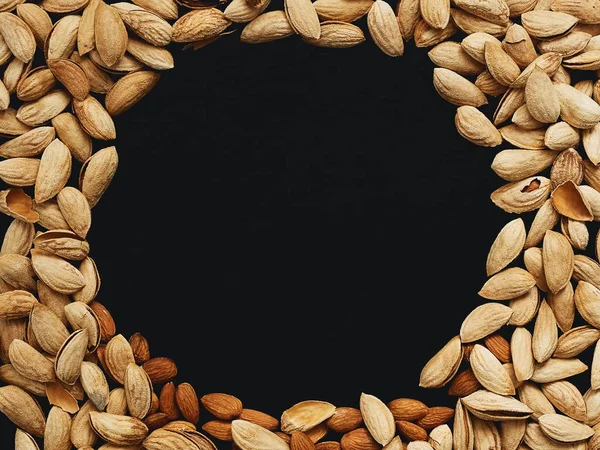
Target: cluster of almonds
{"x":57,"y":341}
{"x":515,"y":392}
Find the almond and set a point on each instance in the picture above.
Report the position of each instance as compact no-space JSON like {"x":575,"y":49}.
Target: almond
{"x":223,"y":406}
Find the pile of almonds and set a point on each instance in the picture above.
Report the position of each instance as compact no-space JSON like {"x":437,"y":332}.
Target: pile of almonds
{"x":535,"y":61}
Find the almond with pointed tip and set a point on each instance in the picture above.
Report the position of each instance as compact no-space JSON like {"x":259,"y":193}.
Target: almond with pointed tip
{"x":488,"y":371}
{"x":70,"y":356}
{"x":378,"y":418}
{"x":129,"y":90}
{"x":566,"y":397}
{"x":160,"y":369}
{"x":18,"y":36}
{"x":474,"y":126}
{"x":119,"y":430}
{"x":16,"y":304}
{"x":138,"y":391}
{"x":97,"y":173}
{"x":306,"y":415}
{"x":249,"y":436}
{"x":57,"y":435}
{"x":564,"y":429}
{"x":88,"y":293}
{"x":267,"y":421}
{"x":24,"y":441}
{"x":110,"y":35}
{"x":56,"y":272}
{"x":456,"y":89}
{"x":50,"y":333}
{"x":82,"y":433}
{"x":222,"y":406}
{"x":94,"y":384}
{"x":506,"y":247}
{"x":440,"y":369}
{"x":22,"y":409}
{"x":490,"y":406}
{"x":502,"y":67}
{"x":547,"y":24}
{"x":576,"y":108}
{"x":207,"y":23}
{"x":43,"y":109}
{"x":94,"y":119}
{"x":384,"y":29}
{"x":30,"y":363}
{"x":542,"y":98}
{"x":436,"y":416}
{"x":54,"y":171}
{"x":118,"y":356}
{"x":545,"y":334}
{"x":140,"y":347}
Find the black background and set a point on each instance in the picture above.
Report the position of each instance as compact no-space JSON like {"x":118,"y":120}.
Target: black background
{"x":291,"y":223}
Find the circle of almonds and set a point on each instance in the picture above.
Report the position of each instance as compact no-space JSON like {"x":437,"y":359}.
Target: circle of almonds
{"x":522,"y":72}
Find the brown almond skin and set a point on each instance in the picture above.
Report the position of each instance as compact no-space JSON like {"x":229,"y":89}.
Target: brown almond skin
{"x":219,"y":429}
{"x":141,"y":348}
{"x":407,"y":409}
{"x":317,"y":433}
{"x":345,"y":420}
{"x":411,"y":431}
{"x":168,"y":402}
{"x":155,"y":403}
{"x":259,"y":418}
{"x":222,"y":406}
{"x":180,"y":425}
{"x":101,"y":357}
{"x":436,"y":416}
{"x":284,"y":436}
{"x":160,"y":370}
{"x":187,"y":402}
{"x":328,"y":445}
{"x":499,"y":347}
{"x":359,"y":439}
{"x":464,"y":383}
{"x":108,"y":329}
{"x":467,"y":349}
{"x":156,"y":420}
{"x":300,"y":441}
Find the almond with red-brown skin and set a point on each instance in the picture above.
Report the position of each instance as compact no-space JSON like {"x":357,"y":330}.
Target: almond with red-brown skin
{"x":187,"y":402}
{"x":499,"y":347}
{"x":160,"y":370}
{"x":359,"y":439}
{"x":219,"y":429}
{"x":345,"y":419}
{"x":328,"y":445}
{"x":436,"y":416}
{"x":259,"y":418}
{"x":464,"y":384}
{"x":141,"y":348}
{"x":155,"y":403}
{"x":300,"y":441}
{"x":284,"y":436}
{"x":317,"y":433}
{"x":411,"y":431}
{"x":467,"y":349}
{"x":167,"y":401}
{"x":100,"y":353}
{"x":407,"y":409}
{"x":107,"y":324}
{"x":222,"y":406}
{"x":156,"y":420}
